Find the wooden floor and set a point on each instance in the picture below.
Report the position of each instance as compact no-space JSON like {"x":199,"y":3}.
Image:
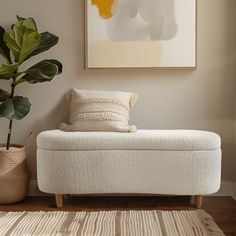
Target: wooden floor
{"x":222,"y":209}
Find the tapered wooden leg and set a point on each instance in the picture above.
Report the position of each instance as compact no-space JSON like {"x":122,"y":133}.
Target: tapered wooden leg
{"x":59,"y":200}
{"x":198,"y":201}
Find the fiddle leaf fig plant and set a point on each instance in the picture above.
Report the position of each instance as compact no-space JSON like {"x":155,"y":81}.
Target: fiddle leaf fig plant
{"x":17,"y":45}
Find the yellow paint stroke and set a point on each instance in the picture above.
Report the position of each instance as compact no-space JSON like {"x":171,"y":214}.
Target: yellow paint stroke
{"x":106,"y":8}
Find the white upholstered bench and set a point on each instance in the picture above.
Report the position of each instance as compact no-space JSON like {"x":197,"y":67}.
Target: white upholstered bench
{"x":175,"y":162}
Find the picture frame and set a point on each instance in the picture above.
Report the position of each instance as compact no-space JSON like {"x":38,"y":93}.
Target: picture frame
{"x":110,"y":45}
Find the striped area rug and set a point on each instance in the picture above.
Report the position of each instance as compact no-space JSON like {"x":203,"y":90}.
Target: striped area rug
{"x":127,"y":223}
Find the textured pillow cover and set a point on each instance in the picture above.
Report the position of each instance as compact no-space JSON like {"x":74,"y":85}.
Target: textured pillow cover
{"x":92,"y":110}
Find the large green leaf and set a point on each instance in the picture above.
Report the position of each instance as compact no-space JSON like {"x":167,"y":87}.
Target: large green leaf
{"x":3,"y":95}
{"x":15,"y":108}
{"x":48,"y":41}
{"x":58,"y":63}
{"x":19,"y":18}
{"x":7,"y":71}
{"x":43,"y":71}
{"x":22,"y":41}
{"x":4,"y":50}
{"x":29,"y":23}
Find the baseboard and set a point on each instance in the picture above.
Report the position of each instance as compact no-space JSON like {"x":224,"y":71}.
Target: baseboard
{"x":227,"y":189}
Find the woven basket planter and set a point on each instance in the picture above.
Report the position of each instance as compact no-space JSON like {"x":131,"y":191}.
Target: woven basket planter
{"x":14,"y":174}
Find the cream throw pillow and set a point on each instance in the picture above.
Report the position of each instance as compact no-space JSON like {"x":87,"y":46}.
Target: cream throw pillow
{"x":99,"y":111}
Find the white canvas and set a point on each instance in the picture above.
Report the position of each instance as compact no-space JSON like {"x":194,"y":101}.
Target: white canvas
{"x":141,"y":33}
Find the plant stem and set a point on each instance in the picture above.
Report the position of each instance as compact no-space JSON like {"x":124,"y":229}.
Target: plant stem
{"x":11,"y":121}
{"x":9,"y":134}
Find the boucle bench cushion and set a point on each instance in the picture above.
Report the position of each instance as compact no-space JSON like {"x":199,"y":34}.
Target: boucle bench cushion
{"x":180,"y":162}
{"x":141,"y":140}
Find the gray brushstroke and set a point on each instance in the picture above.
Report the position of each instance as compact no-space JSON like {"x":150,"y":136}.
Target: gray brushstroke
{"x":143,"y":20}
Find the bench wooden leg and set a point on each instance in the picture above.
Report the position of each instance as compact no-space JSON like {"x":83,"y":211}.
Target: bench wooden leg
{"x":59,"y":200}
{"x":198,"y":201}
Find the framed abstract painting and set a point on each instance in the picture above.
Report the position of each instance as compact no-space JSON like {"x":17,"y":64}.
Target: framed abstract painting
{"x":140,"y":33}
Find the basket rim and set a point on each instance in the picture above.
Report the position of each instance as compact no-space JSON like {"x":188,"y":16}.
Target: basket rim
{"x":19,"y":146}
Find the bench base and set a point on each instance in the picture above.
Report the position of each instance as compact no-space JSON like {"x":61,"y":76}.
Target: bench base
{"x":148,"y":162}
{"x":60,"y":198}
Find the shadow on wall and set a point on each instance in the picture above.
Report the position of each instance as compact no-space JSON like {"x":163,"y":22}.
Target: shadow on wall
{"x":50,"y":121}
{"x":230,"y":36}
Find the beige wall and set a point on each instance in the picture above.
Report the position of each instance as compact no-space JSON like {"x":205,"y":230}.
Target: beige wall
{"x":169,"y":99}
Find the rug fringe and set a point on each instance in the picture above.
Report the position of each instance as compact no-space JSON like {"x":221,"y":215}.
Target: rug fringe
{"x":209,"y":223}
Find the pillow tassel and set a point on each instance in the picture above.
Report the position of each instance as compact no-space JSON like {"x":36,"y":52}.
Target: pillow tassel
{"x":132,"y":129}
